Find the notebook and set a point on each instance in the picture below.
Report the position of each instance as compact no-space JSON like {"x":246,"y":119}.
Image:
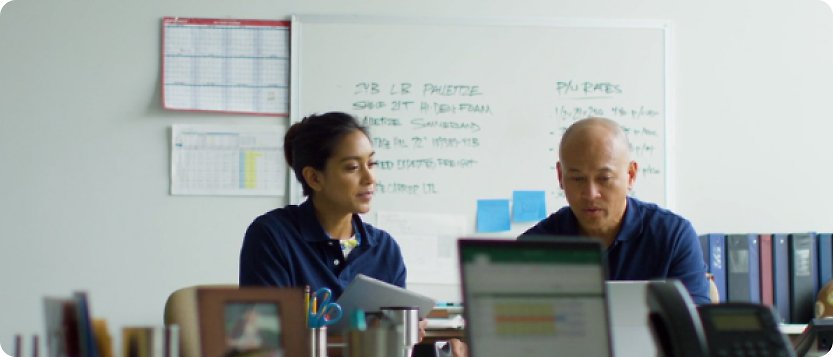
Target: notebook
{"x":530,"y":298}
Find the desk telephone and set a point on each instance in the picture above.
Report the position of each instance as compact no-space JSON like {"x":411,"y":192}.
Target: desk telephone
{"x":715,"y":330}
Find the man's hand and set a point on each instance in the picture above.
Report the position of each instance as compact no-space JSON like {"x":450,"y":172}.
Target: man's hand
{"x":422,"y":324}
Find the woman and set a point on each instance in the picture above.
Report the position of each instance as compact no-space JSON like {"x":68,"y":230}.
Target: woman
{"x":323,"y":242}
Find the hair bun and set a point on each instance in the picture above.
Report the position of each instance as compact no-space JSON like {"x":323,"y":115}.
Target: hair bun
{"x":288,"y":140}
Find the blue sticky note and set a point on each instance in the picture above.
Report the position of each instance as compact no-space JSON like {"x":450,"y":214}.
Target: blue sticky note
{"x":492,"y":216}
{"x":528,"y":206}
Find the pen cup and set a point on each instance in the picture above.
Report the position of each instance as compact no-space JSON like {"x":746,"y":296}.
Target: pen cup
{"x":404,"y":324}
{"x":372,"y":342}
{"x":318,"y":342}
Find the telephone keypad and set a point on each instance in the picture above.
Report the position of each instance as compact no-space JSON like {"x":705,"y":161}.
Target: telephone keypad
{"x":751,"y":332}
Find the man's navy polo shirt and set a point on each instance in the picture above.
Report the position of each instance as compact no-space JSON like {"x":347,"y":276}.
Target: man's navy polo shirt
{"x":288,"y":247}
{"x":652,"y":243}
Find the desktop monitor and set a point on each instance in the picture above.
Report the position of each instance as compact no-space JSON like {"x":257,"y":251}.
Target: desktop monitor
{"x":531,"y":298}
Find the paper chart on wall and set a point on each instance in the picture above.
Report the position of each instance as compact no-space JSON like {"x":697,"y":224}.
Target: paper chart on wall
{"x":239,"y":66}
{"x":234,"y":159}
{"x":428,"y":243}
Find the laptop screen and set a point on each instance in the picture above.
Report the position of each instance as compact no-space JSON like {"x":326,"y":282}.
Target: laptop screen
{"x":532,"y":298}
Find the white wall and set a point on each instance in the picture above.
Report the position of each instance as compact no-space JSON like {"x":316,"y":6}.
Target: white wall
{"x":84,"y":157}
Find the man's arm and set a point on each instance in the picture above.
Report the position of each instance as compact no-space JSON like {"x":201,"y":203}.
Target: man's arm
{"x":688,"y":266}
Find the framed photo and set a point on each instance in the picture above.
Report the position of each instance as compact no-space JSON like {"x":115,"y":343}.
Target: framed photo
{"x":252,"y":322}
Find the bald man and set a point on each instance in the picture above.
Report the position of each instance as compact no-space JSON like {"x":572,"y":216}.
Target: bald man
{"x":643,"y":241}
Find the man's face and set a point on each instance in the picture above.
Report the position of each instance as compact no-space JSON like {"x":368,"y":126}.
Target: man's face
{"x":596,"y":174}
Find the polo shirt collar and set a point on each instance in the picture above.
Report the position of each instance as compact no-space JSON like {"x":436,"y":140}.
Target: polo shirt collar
{"x":311,"y":230}
{"x":570,"y":225}
{"x":631,"y":222}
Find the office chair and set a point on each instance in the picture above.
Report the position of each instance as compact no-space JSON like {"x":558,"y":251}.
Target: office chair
{"x":181,"y":309}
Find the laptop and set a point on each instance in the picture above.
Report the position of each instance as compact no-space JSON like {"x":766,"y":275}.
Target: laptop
{"x":629,"y":319}
{"x":532,"y":298}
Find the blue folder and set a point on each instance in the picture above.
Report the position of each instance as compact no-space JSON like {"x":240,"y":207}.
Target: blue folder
{"x":717,"y":261}
{"x":825,"y":257}
{"x":743,"y":272}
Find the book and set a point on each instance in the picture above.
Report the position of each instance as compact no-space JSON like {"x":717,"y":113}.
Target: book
{"x":102,"y":338}
{"x":69,"y":325}
{"x":781,"y":276}
{"x":137,"y":341}
{"x":715,"y":255}
{"x":55,"y":336}
{"x":86,"y":335}
{"x":743,"y":268}
{"x":765,"y":244}
{"x":704,"y":248}
{"x":150,"y":341}
{"x":802,"y":248}
{"x":172,"y":341}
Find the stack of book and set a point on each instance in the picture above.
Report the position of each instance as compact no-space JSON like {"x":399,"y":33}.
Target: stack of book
{"x":70,"y":331}
{"x":785,"y":271}
{"x":445,"y":316}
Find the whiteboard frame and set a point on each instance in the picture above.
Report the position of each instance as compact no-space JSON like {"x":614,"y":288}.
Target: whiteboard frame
{"x":297,"y":21}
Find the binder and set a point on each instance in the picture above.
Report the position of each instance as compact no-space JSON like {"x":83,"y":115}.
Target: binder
{"x":765,"y":241}
{"x":704,"y":248}
{"x":754,"y":268}
{"x":825,"y":259}
{"x":716,"y":261}
{"x":802,"y":248}
{"x":86,"y":336}
{"x":781,"y":276}
{"x":743,"y":268}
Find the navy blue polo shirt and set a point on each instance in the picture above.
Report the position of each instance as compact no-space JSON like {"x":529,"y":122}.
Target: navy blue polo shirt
{"x":287,"y":247}
{"x":652,"y":243}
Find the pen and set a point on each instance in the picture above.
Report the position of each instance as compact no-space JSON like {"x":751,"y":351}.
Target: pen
{"x":314,"y":303}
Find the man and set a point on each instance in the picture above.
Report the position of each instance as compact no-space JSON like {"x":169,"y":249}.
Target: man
{"x":643,"y":240}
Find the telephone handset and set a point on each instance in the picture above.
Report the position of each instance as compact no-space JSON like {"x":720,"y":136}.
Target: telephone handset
{"x":729,"y":329}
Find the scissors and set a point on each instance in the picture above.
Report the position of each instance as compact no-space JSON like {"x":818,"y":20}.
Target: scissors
{"x":328,"y":313}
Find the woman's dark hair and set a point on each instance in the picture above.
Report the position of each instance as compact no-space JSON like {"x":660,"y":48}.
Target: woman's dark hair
{"x":311,"y":141}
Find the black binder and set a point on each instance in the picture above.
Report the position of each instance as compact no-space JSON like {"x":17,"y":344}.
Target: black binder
{"x":743,"y":268}
{"x":802,"y":277}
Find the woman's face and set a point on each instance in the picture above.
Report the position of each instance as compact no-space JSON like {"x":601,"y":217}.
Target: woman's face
{"x":347,"y":183}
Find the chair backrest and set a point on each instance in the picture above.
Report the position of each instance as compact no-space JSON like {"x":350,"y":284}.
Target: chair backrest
{"x":181,"y":309}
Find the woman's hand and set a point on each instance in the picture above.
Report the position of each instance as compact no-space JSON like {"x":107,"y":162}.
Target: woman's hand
{"x":458,"y":348}
{"x":422,"y":324}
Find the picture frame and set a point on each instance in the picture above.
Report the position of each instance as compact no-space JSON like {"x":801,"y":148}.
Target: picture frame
{"x":252,"y":321}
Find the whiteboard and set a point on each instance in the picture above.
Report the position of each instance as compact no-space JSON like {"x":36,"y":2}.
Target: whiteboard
{"x":468,"y":109}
